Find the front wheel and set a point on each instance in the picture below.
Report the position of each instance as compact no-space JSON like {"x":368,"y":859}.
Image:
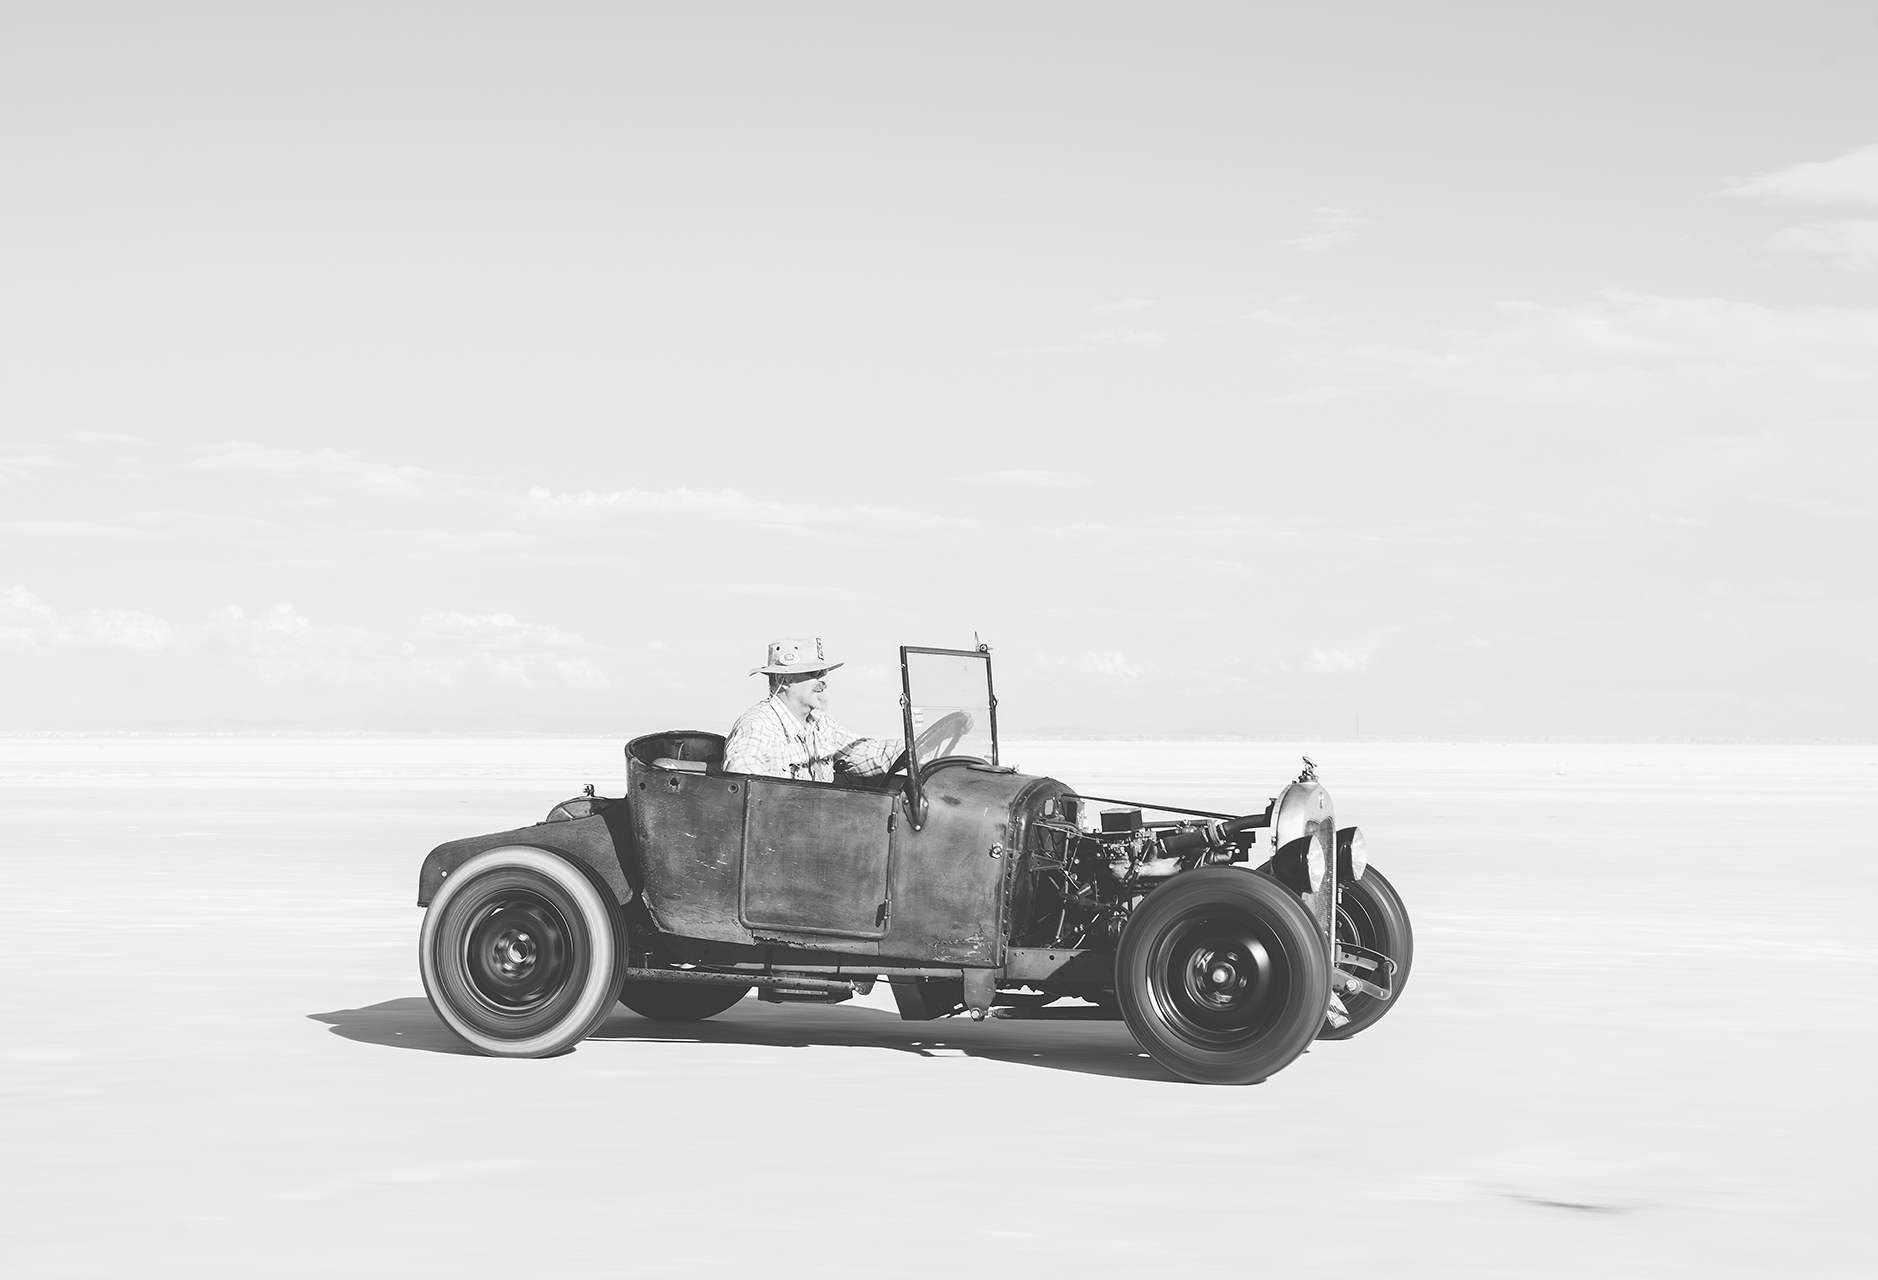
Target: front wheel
{"x":1221,"y":975}
{"x":521,"y":955}
{"x":1370,"y":913}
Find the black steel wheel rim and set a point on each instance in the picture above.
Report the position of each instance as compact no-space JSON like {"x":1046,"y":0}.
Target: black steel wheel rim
{"x":1356,"y":923}
{"x":1353,"y":922}
{"x":517,"y":953}
{"x":1220,"y":979}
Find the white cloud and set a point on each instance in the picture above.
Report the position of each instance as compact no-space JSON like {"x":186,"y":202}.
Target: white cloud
{"x":1136,"y":339}
{"x":70,"y":529}
{"x":1030,"y":479}
{"x":781,"y":591}
{"x":1697,"y":481}
{"x":533,"y":669}
{"x":1848,"y":179}
{"x":1641,"y":357}
{"x":1338,"y":662}
{"x":1819,"y":508}
{"x":120,"y":629}
{"x":1852,"y":244}
{"x":501,"y":631}
{"x":20,"y":466}
{"x":20,"y":600}
{"x":330,"y":507}
{"x":1109,"y":663}
{"x":24,"y":618}
{"x":1285,"y":320}
{"x":505,"y":515}
{"x":1105,"y":664}
{"x":284,"y":646}
{"x":104,"y":437}
{"x":1126,"y":304}
{"x":347,"y":468}
{"x":1330,"y":226}
{"x":27,"y":622}
{"x":1313,"y":397}
{"x":1128,"y":338}
{"x":728,"y":506}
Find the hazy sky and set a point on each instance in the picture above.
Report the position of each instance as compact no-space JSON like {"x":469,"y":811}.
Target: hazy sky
{"x":1443,"y":369}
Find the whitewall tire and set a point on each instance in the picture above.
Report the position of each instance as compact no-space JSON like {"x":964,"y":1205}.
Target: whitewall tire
{"x":522,"y":955}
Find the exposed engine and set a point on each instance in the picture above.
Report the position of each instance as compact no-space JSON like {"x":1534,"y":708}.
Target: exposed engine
{"x":1087,"y":877}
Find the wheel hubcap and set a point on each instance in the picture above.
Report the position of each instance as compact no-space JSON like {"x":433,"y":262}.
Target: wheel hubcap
{"x":1221,"y":978}
{"x":516,"y":954}
{"x":1219,"y":981}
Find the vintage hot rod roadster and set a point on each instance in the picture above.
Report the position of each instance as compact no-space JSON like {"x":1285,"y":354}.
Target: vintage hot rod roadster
{"x":1227,"y":943}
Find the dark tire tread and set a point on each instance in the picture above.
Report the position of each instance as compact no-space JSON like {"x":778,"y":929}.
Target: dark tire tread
{"x":1276,"y":1028}
{"x":1382,"y":924}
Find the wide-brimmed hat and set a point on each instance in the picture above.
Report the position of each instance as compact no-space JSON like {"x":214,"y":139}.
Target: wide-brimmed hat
{"x":795,"y":656}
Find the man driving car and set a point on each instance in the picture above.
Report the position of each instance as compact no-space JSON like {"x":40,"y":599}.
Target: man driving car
{"x":789,"y":733}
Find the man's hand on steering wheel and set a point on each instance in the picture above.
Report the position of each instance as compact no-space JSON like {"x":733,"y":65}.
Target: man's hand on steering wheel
{"x":940,"y":738}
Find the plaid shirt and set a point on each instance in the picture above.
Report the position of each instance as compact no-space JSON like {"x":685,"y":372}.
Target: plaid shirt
{"x":767,"y":739}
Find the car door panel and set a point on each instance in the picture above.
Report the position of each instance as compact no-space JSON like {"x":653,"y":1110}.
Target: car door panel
{"x":815,"y":859}
{"x":688,"y":833}
{"x":948,"y":883}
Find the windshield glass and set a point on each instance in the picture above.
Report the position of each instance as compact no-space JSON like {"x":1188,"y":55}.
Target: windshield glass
{"x":948,"y":695}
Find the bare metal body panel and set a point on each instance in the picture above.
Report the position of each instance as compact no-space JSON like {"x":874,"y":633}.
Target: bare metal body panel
{"x":739,"y":859}
{"x":815,"y":859}
{"x":594,"y":844}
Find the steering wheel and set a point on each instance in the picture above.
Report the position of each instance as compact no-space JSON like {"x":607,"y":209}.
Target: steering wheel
{"x":941,"y":736}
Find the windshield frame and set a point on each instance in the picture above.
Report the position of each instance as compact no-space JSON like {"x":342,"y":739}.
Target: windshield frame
{"x":916,"y":802}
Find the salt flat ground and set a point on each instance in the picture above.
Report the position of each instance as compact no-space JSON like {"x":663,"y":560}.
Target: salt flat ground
{"x":1637,"y":1041}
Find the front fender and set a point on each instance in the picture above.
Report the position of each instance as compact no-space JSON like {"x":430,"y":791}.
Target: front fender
{"x":593,"y":843}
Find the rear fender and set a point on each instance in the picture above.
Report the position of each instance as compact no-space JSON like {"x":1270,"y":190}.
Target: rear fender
{"x":592,"y":844}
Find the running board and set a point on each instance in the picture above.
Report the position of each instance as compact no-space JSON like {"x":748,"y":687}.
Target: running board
{"x":839,"y":988}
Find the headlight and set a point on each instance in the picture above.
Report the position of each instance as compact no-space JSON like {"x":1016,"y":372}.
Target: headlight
{"x":1352,"y":857}
{"x":1300,"y":864}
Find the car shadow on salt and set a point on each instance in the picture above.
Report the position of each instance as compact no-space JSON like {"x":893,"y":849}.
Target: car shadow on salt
{"x":409,"y":1023}
{"x":1086,"y":1048}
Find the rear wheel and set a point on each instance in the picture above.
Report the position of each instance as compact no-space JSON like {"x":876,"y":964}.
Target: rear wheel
{"x":679,"y":1001}
{"x":1370,"y":913}
{"x":1221,"y":976}
{"x":520,"y":953}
